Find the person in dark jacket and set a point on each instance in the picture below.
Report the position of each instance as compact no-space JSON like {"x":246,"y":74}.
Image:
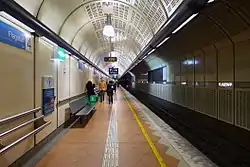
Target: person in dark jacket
{"x":110,"y":89}
{"x":90,"y":89}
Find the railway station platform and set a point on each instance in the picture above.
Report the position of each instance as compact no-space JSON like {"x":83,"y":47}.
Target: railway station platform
{"x":124,"y":134}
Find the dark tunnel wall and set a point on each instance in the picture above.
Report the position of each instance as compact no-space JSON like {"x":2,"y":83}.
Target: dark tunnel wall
{"x":217,"y":82}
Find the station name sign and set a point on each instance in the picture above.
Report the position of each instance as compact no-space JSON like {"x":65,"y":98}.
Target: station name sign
{"x":113,"y":71}
{"x":14,"y":37}
{"x":110,"y":59}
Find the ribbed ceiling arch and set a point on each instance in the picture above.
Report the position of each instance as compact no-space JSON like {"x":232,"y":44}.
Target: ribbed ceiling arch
{"x":81,"y":22}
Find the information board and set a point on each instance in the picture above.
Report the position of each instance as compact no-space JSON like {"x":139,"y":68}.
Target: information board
{"x":48,"y":95}
{"x":110,"y":59}
{"x":113,"y":71}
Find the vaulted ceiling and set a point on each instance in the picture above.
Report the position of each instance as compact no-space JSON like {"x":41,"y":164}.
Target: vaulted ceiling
{"x":81,"y":23}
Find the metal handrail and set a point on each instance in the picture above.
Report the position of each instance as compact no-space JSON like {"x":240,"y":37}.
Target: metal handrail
{"x":69,"y":98}
{"x":17,"y":116}
{"x":24,"y":137}
{"x":20,"y":126}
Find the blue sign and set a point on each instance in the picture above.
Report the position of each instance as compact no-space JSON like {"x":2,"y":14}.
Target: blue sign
{"x":80,"y":65}
{"x":48,"y":101}
{"x":113,"y":71}
{"x":12,"y":36}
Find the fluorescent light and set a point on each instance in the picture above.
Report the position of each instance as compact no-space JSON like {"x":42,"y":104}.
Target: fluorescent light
{"x":183,"y":24}
{"x":151,"y":51}
{"x":15,"y":21}
{"x":47,"y":41}
{"x":144,"y":57}
{"x":210,"y":1}
{"x":109,"y":31}
{"x":162,"y":42}
{"x":184,"y":83}
{"x":75,"y":57}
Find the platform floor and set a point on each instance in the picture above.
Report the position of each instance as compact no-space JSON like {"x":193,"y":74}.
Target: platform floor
{"x":116,"y":135}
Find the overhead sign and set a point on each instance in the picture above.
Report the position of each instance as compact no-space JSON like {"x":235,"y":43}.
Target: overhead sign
{"x":113,"y":71}
{"x":14,"y":37}
{"x":61,"y":54}
{"x":110,"y":59}
{"x":80,"y":65}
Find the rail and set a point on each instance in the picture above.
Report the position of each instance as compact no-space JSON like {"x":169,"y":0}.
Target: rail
{"x":17,"y":116}
{"x":20,"y":126}
{"x":71,"y":98}
{"x":4,"y":149}
{"x":62,"y":101}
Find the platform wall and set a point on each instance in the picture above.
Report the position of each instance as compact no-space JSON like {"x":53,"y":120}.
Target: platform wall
{"x":21,"y":90}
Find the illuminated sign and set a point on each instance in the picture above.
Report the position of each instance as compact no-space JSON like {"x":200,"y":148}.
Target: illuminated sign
{"x":110,"y":59}
{"x":225,"y":84}
{"x":61,"y":54}
{"x":113,"y":71}
{"x":190,"y":62}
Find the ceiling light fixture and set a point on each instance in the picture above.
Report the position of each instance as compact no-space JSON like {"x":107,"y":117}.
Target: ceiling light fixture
{"x":210,"y":1}
{"x":163,"y":42}
{"x":151,"y":51}
{"x":183,"y":24}
{"x":108,"y":29}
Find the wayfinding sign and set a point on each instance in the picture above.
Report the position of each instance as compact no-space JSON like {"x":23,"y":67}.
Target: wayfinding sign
{"x":113,"y":71}
{"x":110,"y":59}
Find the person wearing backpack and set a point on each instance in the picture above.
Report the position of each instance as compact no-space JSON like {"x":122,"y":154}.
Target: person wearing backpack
{"x":90,"y":89}
{"x":110,"y":89}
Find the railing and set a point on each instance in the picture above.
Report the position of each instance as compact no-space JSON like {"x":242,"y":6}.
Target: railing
{"x":62,"y":101}
{"x":16,"y":117}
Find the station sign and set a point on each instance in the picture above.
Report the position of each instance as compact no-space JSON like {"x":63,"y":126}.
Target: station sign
{"x":113,"y":71}
{"x":110,"y":59}
{"x":14,"y":37}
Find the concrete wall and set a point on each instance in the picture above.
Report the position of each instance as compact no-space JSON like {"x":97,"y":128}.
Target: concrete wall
{"x":21,"y":90}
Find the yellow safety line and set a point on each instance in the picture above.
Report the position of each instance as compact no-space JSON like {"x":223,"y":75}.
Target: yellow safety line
{"x":150,"y":143}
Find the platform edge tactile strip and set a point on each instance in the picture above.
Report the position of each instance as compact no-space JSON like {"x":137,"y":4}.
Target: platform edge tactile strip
{"x":179,"y":147}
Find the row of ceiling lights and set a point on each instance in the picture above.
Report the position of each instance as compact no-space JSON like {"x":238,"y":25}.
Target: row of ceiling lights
{"x":167,"y":38}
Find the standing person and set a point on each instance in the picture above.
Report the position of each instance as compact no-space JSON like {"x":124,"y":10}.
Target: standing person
{"x":90,"y":89}
{"x":114,"y":84}
{"x":110,"y":89}
{"x":102,"y":88}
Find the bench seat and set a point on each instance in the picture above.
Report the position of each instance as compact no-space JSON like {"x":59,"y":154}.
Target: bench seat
{"x":86,"y":110}
{"x":78,"y":105}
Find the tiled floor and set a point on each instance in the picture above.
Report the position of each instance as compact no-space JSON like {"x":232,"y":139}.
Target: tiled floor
{"x":112,"y":134}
